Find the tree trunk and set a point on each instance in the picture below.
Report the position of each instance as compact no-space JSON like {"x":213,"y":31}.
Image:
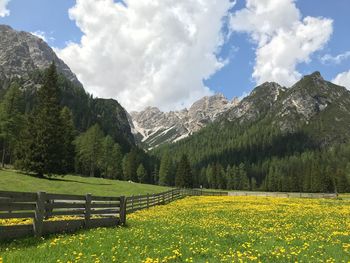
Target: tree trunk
{"x":3,"y":156}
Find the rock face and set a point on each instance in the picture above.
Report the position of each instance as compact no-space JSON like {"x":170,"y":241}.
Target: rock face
{"x":24,"y":57}
{"x":22,"y":53}
{"x":319,"y":108}
{"x":153,"y":127}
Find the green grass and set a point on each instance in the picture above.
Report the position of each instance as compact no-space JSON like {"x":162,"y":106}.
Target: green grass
{"x":15,"y":181}
{"x":206,"y":229}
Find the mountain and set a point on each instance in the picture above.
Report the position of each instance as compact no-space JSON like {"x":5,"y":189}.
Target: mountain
{"x":24,"y":58}
{"x":275,"y":139}
{"x":153,"y":127}
{"x":312,"y":114}
{"x":22,"y":53}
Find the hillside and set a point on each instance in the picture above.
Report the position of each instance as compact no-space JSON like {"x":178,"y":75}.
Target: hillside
{"x":290,"y":135}
{"x":15,"y":181}
{"x":24,"y":58}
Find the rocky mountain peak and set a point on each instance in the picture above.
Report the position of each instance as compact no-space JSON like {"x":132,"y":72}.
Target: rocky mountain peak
{"x":22,"y":53}
{"x":155,"y":127}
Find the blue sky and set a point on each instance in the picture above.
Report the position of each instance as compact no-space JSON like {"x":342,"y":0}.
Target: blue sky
{"x":234,"y":79}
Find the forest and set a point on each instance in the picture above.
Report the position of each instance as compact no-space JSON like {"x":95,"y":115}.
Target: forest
{"x":50,"y":132}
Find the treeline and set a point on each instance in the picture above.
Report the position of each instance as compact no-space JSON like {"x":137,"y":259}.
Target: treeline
{"x":46,"y":139}
{"x":258,"y":157}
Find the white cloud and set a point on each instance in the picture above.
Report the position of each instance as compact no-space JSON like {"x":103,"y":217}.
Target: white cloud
{"x":3,"y":8}
{"x":43,"y":36}
{"x":282,"y":37}
{"x":40,"y":34}
{"x":149,"y":52}
{"x":329,"y":59}
{"x":343,"y":79}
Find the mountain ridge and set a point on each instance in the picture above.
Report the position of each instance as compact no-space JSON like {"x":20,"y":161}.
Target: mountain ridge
{"x":152,"y":127}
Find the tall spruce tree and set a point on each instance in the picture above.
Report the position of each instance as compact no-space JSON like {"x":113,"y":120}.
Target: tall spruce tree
{"x":45,"y":153}
{"x":68,"y":140}
{"x":141,"y":173}
{"x":11,"y":121}
{"x":89,"y":148}
{"x":184,"y":177}
{"x":165,"y":172}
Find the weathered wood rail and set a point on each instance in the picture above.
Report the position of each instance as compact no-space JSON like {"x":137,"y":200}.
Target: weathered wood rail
{"x":284,"y":194}
{"x":56,"y":213}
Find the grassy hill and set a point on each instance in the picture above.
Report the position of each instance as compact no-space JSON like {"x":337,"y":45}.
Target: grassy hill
{"x":16,"y":181}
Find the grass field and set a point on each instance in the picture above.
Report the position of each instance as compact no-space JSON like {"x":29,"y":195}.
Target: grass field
{"x":207,"y":229}
{"x":14,"y":181}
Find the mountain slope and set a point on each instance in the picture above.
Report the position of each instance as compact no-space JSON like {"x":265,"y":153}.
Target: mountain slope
{"x":153,"y":127}
{"x":24,"y":58}
{"x":22,"y":53}
{"x":273,"y":121}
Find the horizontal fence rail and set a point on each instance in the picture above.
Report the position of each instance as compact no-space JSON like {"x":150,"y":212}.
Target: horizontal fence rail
{"x":284,"y":194}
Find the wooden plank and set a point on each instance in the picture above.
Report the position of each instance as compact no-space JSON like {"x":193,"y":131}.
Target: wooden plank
{"x":17,"y":215}
{"x":12,"y":232}
{"x":105,"y":198}
{"x":104,"y":222}
{"x":39,"y":214}
{"x":25,"y":195}
{"x":64,"y":226}
{"x":16,"y":206}
{"x":57,"y":205}
{"x":65,"y":197}
{"x":94,"y":205}
{"x":87,"y":212}
{"x":68,"y":213}
{"x":105,"y":211}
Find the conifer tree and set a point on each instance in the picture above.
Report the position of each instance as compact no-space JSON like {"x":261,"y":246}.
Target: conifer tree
{"x":88,"y":147}
{"x":141,"y":173}
{"x":111,"y":159}
{"x":183,"y":177}
{"x":45,"y":152}
{"x":68,"y":140}
{"x":11,"y":120}
{"x":165,"y":170}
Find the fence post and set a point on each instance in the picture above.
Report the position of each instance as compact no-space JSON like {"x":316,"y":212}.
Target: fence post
{"x":172,"y":195}
{"x":88,"y":199}
{"x":139,"y":202}
{"x":122,"y":212}
{"x":163,"y":198}
{"x":147,"y":200}
{"x":132,"y":203}
{"x":39,"y":214}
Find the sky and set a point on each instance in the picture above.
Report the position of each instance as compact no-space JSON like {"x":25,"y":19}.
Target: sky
{"x":168,"y":53}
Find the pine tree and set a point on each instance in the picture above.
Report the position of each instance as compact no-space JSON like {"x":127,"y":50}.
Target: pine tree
{"x":110,"y":159}
{"x":45,"y":152}
{"x":68,"y":140}
{"x":130,"y":164}
{"x":11,"y":120}
{"x":88,"y":147}
{"x":141,"y":173}
{"x":183,"y":177}
{"x":165,"y":170}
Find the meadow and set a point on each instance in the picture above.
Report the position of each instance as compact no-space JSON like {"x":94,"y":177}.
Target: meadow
{"x":71,"y":184}
{"x":206,"y":229}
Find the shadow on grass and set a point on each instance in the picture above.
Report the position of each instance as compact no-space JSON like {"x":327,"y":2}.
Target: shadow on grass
{"x":59,"y":179}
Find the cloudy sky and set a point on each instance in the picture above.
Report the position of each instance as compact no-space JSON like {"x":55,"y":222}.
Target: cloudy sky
{"x":170,"y":53}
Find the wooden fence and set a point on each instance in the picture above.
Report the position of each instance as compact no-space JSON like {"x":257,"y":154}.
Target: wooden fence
{"x":84,"y":211}
{"x":284,"y":194}
{"x":56,"y":213}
